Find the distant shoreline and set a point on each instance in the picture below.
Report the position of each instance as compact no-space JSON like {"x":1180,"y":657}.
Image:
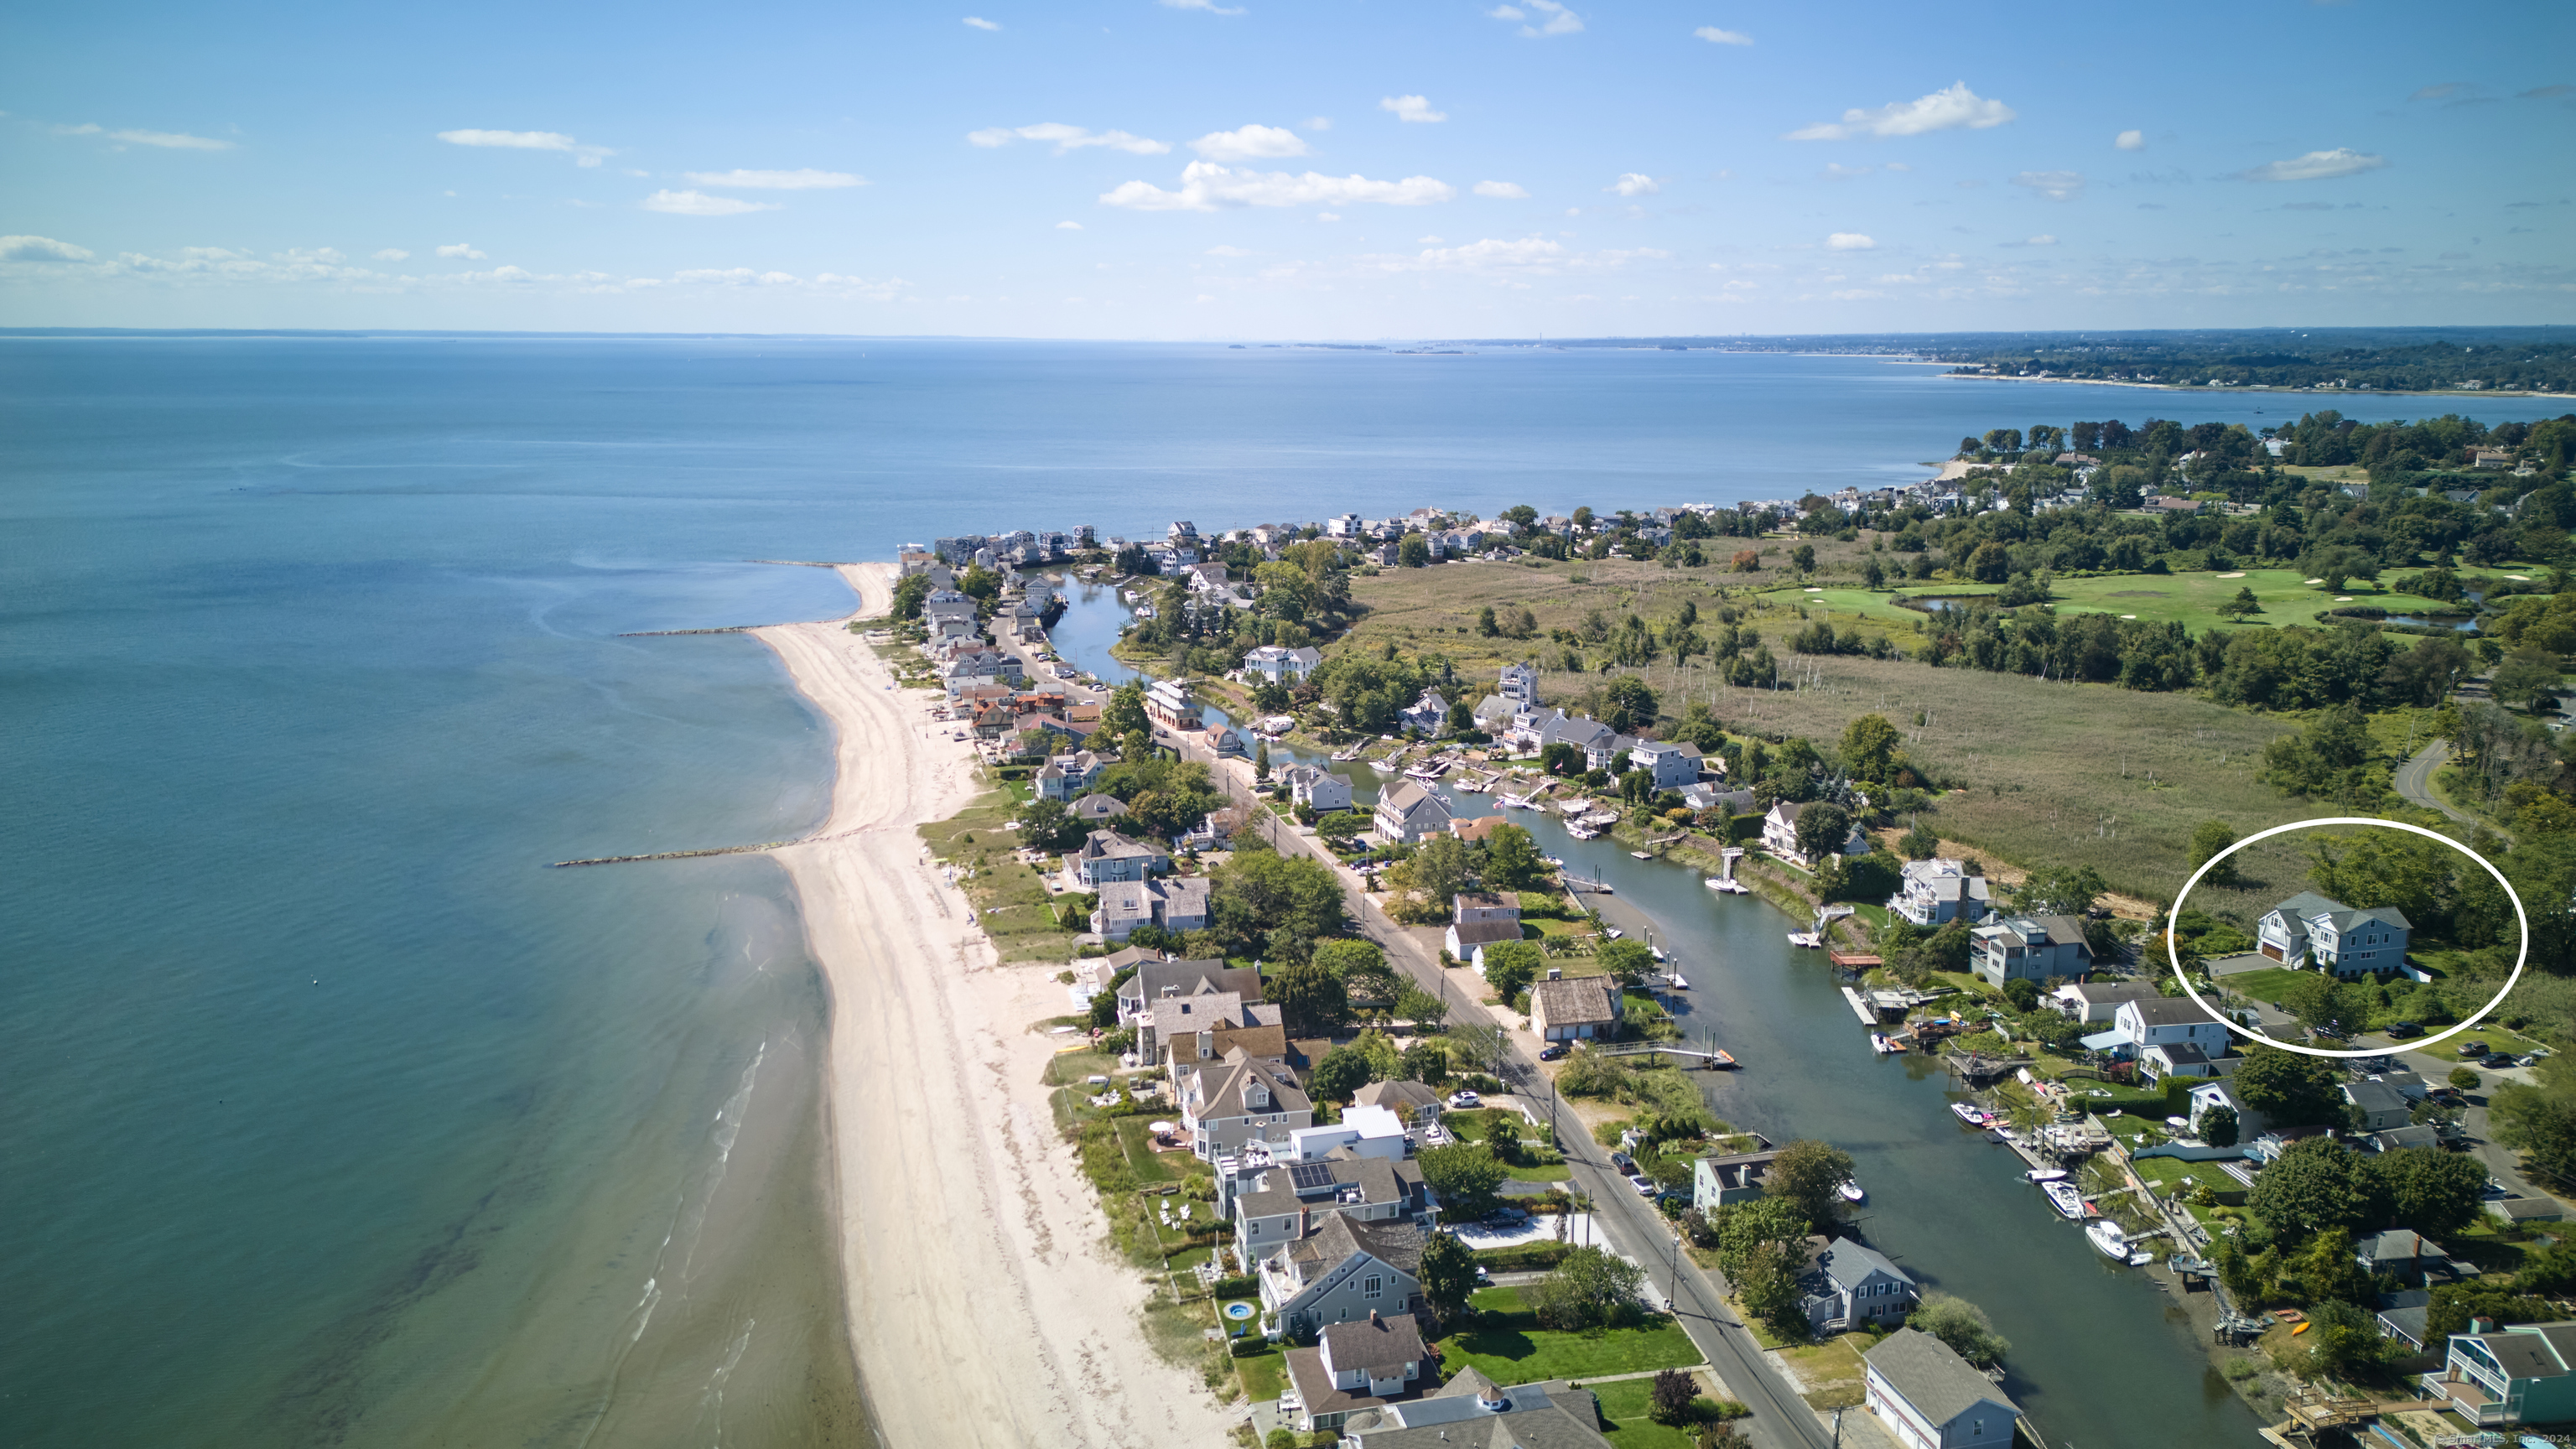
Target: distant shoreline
{"x":2256,"y":390}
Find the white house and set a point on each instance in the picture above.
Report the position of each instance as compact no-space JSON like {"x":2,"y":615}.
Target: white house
{"x":1109,"y":856}
{"x":1176,"y":904}
{"x":1281,"y":665}
{"x":1070,"y":777}
{"x":1355,"y":1367}
{"x":2029,"y":948}
{"x":2205,"y":1096}
{"x":1584,"y":1008}
{"x":1780,"y":834}
{"x":2310,"y":930}
{"x":1927,"y":1397}
{"x":1310,"y":786}
{"x":1670,"y":764}
{"x":2161,"y":1021}
{"x":1937,"y":892}
{"x":1478,"y":920}
{"x":1407,"y":813}
{"x":2090,"y":1001}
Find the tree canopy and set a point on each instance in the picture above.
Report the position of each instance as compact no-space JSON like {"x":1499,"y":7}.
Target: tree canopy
{"x":1809,"y":1175}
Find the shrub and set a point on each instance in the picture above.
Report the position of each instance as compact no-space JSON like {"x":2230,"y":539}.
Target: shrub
{"x":2463,"y":1078}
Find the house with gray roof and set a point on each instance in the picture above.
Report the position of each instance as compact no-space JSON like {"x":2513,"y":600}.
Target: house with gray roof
{"x":1355,"y":1367}
{"x":1239,"y":1098}
{"x":2377,"y":1106}
{"x":1176,"y":904}
{"x":2029,"y":948}
{"x":1288,"y":1200}
{"x":1109,"y":856}
{"x":2311,"y":930}
{"x":1406,"y":813}
{"x":1583,"y":1008}
{"x":1097,"y":809}
{"x":1725,"y":1179}
{"x":1155,"y":980}
{"x":1341,"y":1269}
{"x":1937,"y":892}
{"x":1471,"y":1411}
{"x":1848,"y":1285}
{"x":1927,"y":1397}
{"x":2524,"y":1373}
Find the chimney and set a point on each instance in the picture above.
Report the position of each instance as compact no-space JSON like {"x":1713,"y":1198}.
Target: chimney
{"x":1556,"y":973}
{"x":1373,"y":1318}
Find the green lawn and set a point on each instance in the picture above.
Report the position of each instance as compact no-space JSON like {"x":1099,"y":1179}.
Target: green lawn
{"x":1833,"y":1371}
{"x":2193,"y":598}
{"x":2268,"y":984}
{"x":1624,"y":1419}
{"x":1508,"y":1346}
{"x":1264,"y":1375}
{"x":1010,"y":901}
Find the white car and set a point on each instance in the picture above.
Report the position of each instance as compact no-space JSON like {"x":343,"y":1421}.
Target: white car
{"x":1464,"y":1101}
{"x":1644,"y":1185}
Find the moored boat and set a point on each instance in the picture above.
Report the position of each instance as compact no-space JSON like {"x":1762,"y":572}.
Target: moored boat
{"x":2107,"y":1237}
{"x":1852,"y":1192}
{"x":2064,"y":1197}
{"x":1806,"y":940}
{"x":1968,"y":1114}
{"x":1721,"y":883}
{"x":2046,"y":1174}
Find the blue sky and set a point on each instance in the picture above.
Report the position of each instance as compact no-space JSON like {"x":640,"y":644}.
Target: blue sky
{"x":1272,"y":169}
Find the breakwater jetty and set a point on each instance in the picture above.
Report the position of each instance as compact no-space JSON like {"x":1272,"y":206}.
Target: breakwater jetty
{"x":670,"y":854}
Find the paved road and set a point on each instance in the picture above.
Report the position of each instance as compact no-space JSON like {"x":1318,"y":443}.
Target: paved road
{"x":2415,"y":780}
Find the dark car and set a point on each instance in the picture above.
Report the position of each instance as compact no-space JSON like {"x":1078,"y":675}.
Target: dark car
{"x":2473,"y":1048}
{"x":1552,"y":1051}
{"x":1627,"y":1165}
{"x":2404,"y":1029}
{"x":2495,"y":1061}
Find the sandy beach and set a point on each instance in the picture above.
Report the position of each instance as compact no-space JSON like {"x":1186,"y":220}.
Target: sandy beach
{"x":984,"y":1305}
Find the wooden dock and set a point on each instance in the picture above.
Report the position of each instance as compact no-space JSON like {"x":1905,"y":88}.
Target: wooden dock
{"x":1861,"y":1008}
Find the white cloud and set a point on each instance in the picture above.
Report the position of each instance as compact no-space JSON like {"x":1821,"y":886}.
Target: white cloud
{"x":1067,"y":138}
{"x":170,"y":140}
{"x":2041,"y":240}
{"x":1559,"y":21}
{"x":1502,"y":190}
{"x":1210,"y":6}
{"x":1898,"y":166}
{"x":1944,"y":110}
{"x":1068,"y":226}
{"x":1633,"y":184}
{"x":528,"y":141}
{"x":806,"y":179}
{"x":1207,"y":186}
{"x":1430,"y":241}
{"x":393,"y":254}
{"x":980,"y":23}
{"x":1715,"y":36}
{"x":698,"y":203}
{"x":1249,"y":143}
{"x":1328,"y":216}
{"x":1319,"y":123}
{"x":2318,"y":166}
{"x":2055,"y":185}
{"x":1226,"y":251}
{"x":1849,"y":241}
{"x":1837,"y":171}
{"x":1412,"y":108}
{"x":2130,"y":140}
{"x":464,"y":250}
{"x":41,"y":249}
{"x":1528,"y":255}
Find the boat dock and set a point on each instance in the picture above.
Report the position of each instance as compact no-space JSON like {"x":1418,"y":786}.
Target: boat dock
{"x":1711,"y":1059}
{"x":1861,"y":1007}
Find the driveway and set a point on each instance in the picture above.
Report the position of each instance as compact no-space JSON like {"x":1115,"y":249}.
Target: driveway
{"x":2415,"y":780}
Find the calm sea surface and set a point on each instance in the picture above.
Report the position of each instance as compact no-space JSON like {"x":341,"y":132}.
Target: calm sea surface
{"x":330,"y":1117}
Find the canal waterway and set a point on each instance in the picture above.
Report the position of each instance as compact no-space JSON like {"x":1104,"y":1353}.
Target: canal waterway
{"x":2101,"y":1357}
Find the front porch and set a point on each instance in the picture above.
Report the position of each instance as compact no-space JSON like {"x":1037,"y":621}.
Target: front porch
{"x":2468,"y":1397}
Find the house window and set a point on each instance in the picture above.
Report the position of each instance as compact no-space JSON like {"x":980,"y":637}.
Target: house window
{"x":1369,"y":1286}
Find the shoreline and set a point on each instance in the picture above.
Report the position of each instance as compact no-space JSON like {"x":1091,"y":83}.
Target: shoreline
{"x":2259,"y":390}
{"x":981,"y":1303}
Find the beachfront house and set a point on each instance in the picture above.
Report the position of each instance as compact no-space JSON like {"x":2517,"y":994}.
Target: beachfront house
{"x":1471,"y":1410}
{"x":2029,"y":948}
{"x":1183,"y":1031}
{"x":1355,"y":1367}
{"x":1239,"y":1098}
{"x":1406,"y":813}
{"x":1780,"y":834}
{"x":1176,"y":904}
{"x":1847,"y":1286}
{"x":1340,"y":1270}
{"x":1281,"y":1203}
{"x":1927,"y":1397}
{"x":1937,"y":892}
{"x":1097,"y":809}
{"x":1108,"y":856}
{"x":2521,"y":1374}
{"x":1585,"y":1008}
{"x":1070,"y":777}
{"x":1309,"y":786}
{"x":2310,"y":930}
{"x":1670,"y":764}
{"x":1158,"y":980}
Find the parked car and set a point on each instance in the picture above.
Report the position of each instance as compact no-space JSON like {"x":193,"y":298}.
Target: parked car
{"x":2494,"y":1061}
{"x":1644,"y":1185}
{"x":2530,"y":1060}
{"x":2404,"y":1029}
{"x":1460,"y":1101}
{"x":1553,"y":1051}
{"x":1627,"y":1165}
{"x":2473,"y":1049}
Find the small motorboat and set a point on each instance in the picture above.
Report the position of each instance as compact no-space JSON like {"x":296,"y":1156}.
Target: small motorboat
{"x":1728,"y":886}
{"x":1659,"y":953}
{"x":2046,"y":1174}
{"x":2107,"y":1237}
{"x":1879,"y":1042}
{"x":1968,"y":1114}
{"x":2063,"y":1196}
{"x":1852,"y":1192}
{"x":1806,"y":940}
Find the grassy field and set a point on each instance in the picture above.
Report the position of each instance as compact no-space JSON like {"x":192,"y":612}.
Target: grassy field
{"x":2193,"y":598}
{"x":1624,"y":1417}
{"x":1832,"y":1371}
{"x":1264,"y":1375}
{"x":1009,"y":898}
{"x":1508,"y":1346}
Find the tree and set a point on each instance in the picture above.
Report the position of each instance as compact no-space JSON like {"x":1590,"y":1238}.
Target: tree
{"x":1311,"y":999}
{"x":1261,"y":760}
{"x":1873,"y":574}
{"x":1822,"y":829}
{"x":1871,"y":748}
{"x":1124,"y":713}
{"x":2290,"y":1089}
{"x":1809,"y":1175}
{"x":2218,"y":1126}
{"x":2023,"y":993}
{"x":1990,"y":564}
{"x":1426,"y":1062}
{"x":2541,"y":1124}
{"x":1592,"y":1288}
{"x":1047,"y":825}
{"x":1420,"y":1007}
{"x":2243,"y":605}
{"x":1673,"y":1395}
{"x":1962,"y":1325}
{"x":1627,"y":704}
{"x":1339,"y":1074}
{"x":2059,"y":891}
{"x":1510,"y":967}
{"x":1512,"y":859}
{"x":2208,"y":838}
{"x":1746,"y":1228}
{"x":1476,"y":1045}
{"x":1766,"y":1283}
{"x":1627,"y":962}
{"x":1465,"y":1175}
{"x":1413,"y":551}
{"x":2463,"y":1078}
{"x":1486,"y":624}
{"x":2316,"y":1185}
{"x":1920,"y":843}
{"x":1447,"y":1273}
{"x":2326,"y":1006}
{"x":1803,"y":558}
{"x":2436,"y":1193}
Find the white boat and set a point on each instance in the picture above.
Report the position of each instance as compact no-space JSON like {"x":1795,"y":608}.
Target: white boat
{"x":2107,"y":1237}
{"x":2046,"y":1174}
{"x":1852,"y":1192}
{"x":1614,"y":933}
{"x":1583,"y":832}
{"x":1658,"y":953}
{"x":1722,"y":883}
{"x":2068,"y":1201}
{"x":1383,"y":767}
{"x":1808,"y":940}
{"x":1885,"y":1045}
{"x":1643,"y":854}
{"x":1973,"y":1116}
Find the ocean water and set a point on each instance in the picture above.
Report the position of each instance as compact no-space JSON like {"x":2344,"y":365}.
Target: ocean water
{"x":331,"y":1116}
